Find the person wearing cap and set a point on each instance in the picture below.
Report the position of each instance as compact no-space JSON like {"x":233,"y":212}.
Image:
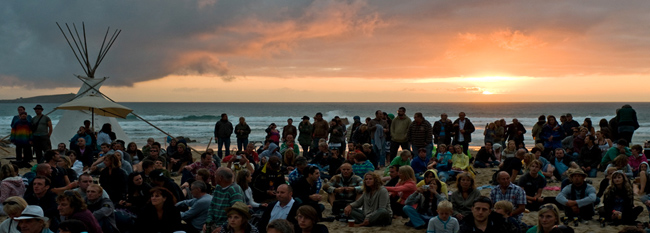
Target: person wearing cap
{"x":579,"y":197}
{"x":238,"y":217}
{"x":289,"y":129}
{"x":42,"y":130}
{"x":71,"y":206}
{"x":321,"y":129}
{"x":304,"y":138}
{"x":399,"y":132}
{"x":32,"y":220}
{"x":242,"y":130}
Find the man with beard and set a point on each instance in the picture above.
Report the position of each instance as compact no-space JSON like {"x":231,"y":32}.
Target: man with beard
{"x":442,"y":130}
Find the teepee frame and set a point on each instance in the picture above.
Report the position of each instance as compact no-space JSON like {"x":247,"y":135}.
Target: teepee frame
{"x":82,"y":47}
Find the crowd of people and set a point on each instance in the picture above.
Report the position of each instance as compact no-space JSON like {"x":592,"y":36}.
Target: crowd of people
{"x":368,"y":180}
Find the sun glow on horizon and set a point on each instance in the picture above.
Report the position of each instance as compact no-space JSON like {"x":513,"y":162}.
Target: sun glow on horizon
{"x":485,"y":79}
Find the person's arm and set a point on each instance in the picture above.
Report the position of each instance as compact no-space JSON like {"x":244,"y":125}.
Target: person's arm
{"x":196,"y":207}
{"x":69,"y":186}
{"x":384,"y":199}
{"x":562,"y":196}
{"x":49,"y":127}
{"x":513,"y":177}
{"x":520,"y":209}
{"x":106,"y":210}
{"x":589,"y":199}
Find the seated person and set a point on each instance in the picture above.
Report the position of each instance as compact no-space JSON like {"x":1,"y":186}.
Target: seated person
{"x":642,"y":178}
{"x":373,"y":208}
{"x":361,"y":165}
{"x":509,"y":192}
{"x":343,"y":189}
{"x":420,"y":162}
{"x":426,"y":199}
{"x":266,"y":179}
{"x":334,"y":162}
{"x":485,"y":157}
{"x":301,"y":171}
{"x":533,"y":183}
{"x":618,"y":201}
{"x":637,"y":158}
{"x":284,"y":208}
{"x":404,"y":158}
{"x":307,"y":191}
{"x":604,"y":184}
{"x":579,"y":197}
{"x":460,"y":162}
{"x":196,"y":209}
{"x":547,"y":168}
{"x":463,"y":198}
{"x":430,"y":175}
{"x":548,"y":218}
{"x":191,"y":170}
{"x":589,"y":157}
{"x":402,"y":190}
{"x":290,"y":144}
{"x":180,"y":159}
{"x":442,"y":163}
{"x":621,"y":164}
{"x":562,"y":163}
{"x":513,"y":165}
{"x":444,"y":222}
{"x":102,"y":208}
{"x":483,"y":219}
{"x":505,"y":208}
{"x":392,"y":178}
{"x":322,"y":156}
{"x":239,"y":162}
{"x":158,"y":179}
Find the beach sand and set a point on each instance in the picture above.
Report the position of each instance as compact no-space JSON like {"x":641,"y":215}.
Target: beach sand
{"x":482,"y":178}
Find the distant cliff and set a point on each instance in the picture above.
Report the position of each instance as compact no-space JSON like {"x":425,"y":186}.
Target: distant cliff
{"x":42,"y":99}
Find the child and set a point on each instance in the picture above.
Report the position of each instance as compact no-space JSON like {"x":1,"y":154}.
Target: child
{"x":505,"y":208}
{"x":443,"y":223}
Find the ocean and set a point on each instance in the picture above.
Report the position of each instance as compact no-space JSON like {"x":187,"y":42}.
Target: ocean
{"x":197,"y":120}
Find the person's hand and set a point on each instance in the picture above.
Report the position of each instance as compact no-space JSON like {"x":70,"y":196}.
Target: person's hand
{"x":188,"y":168}
{"x":73,"y":184}
{"x":217,"y":230}
{"x":338,"y":190}
{"x":575,"y":209}
{"x":185,"y":185}
{"x":487,"y":164}
{"x":270,"y":192}
{"x":264,"y":204}
{"x":350,"y":189}
{"x":365,"y":222}
{"x":347,"y":210}
{"x":459,"y":216}
{"x":462,"y":131}
{"x":315,"y":197}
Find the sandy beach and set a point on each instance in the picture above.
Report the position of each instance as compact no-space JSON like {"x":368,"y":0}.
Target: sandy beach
{"x":482,"y":178}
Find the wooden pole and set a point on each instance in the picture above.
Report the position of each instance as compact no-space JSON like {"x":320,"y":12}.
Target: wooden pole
{"x":210,"y":142}
{"x":5,"y":150}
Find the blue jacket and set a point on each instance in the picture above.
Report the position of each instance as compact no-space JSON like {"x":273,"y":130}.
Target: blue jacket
{"x":419,"y":165}
{"x":556,"y":132}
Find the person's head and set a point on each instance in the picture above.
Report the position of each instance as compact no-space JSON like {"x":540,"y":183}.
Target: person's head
{"x":85,"y":180}
{"x":401,"y":111}
{"x":32,"y":220}
{"x":636,"y":149}
{"x":161,"y":197}
{"x":280,"y":226}
{"x":346,"y":170}
{"x":422,"y":153}
{"x":481,"y":209}
{"x":551,"y":120}
{"x":371,"y":182}
{"x":520,"y":153}
{"x":609,"y":171}
{"x":534,"y":166}
{"x":461,"y":116}
{"x":242,"y":120}
{"x":206,"y":159}
{"x":367,"y":147}
{"x":72,"y":226}
{"x":406,"y":173}
{"x":21,"y":109}
{"x":465,"y":182}
{"x":428,"y":176}
{"x":70,"y":202}
{"x":307,"y":217}
{"x":155,"y":145}
{"x":620,"y":161}
{"x":274,"y":163}
{"x":243,"y":179}
{"x":105,"y":147}
{"x":622,"y":143}
{"x":559,"y":153}
{"x":569,"y":117}
{"x":405,"y":155}
{"x":94,"y":192}
{"x":147,"y":166}
{"x":41,"y":185}
{"x":44,"y":169}
{"x":7,"y":170}
{"x":64,"y":162}
{"x":38,"y":109}
{"x":199,"y":188}
{"x":238,"y":216}
{"x":442,"y":148}
{"x":379,"y":114}
{"x":224,"y":117}
{"x":418,"y":118}
{"x":318,"y":116}
{"x":61,"y":147}
{"x":547,"y":217}
{"x":393,"y":171}
{"x":13,"y":206}
{"x":204,"y":175}
{"x":488,"y":145}
{"x":434,"y":185}
{"x":322,"y":147}
{"x":577,"y":176}
{"x":313,"y":173}
{"x":511,"y":145}
{"x":180,"y":148}
{"x":443,"y":116}
{"x":503,"y":178}
{"x":503,"y":207}
{"x":289,"y":138}
{"x":224,"y":176}
{"x":51,"y":157}
{"x":284,"y":193}
{"x":113,"y":160}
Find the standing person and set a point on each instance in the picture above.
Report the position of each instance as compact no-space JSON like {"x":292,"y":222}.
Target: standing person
{"x":21,"y":136}
{"x":320,"y":131}
{"x":242,"y":130}
{"x":289,"y":129}
{"x":552,"y":135}
{"x":569,"y":124}
{"x":41,"y":131}
{"x":463,"y":129}
{"x":106,"y":135}
{"x":627,"y":122}
{"x":537,"y":129}
{"x":516,"y":132}
{"x":399,"y":132}
{"x":21,"y":109}
{"x":375,"y":203}
{"x":306,"y":129}
{"x":222,"y":132}
{"x":420,"y":134}
{"x":442,"y":130}
{"x":379,"y":136}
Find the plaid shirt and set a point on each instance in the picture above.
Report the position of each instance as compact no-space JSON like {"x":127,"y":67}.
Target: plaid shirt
{"x":198,"y":165}
{"x":338,"y":181}
{"x":223,"y":198}
{"x":361,"y":169}
{"x":514,"y":194}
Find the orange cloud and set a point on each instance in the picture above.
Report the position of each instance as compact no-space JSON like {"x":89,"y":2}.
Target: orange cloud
{"x":514,"y":40}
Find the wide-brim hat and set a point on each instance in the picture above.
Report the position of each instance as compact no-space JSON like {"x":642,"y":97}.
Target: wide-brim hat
{"x":32,"y":212}
{"x":241,"y":208}
{"x":577,"y":172}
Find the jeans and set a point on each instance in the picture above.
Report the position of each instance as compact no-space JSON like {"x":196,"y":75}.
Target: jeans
{"x":479,"y":164}
{"x":416,"y":218}
{"x":593,"y":172}
{"x":444,"y":176}
{"x":380,"y":150}
{"x":221,"y":142}
{"x":41,"y":144}
{"x":395,"y":145}
{"x":242,"y":143}
{"x":428,"y":147}
{"x":305,"y":151}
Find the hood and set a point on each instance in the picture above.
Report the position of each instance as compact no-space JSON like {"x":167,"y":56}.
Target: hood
{"x":16,"y":180}
{"x":647,"y":170}
{"x":272,"y":147}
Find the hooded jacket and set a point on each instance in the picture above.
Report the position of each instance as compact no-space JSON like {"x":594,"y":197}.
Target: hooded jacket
{"x":272,"y":150}
{"x":11,"y":186}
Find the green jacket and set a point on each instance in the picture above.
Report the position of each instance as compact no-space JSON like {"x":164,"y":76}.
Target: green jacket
{"x":399,"y":129}
{"x":306,"y":129}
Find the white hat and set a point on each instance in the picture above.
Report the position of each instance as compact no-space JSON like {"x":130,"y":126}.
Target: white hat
{"x":496,"y":146}
{"x":31,"y":212}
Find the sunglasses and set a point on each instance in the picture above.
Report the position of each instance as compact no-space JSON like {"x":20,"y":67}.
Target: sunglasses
{"x":10,"y":203}
{"x":547,"y":206}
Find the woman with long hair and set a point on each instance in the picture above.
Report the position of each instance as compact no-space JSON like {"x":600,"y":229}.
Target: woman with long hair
{"x":464,"y":197}
{"x":307,"y":218}
{"x":135,"y":153}
{"x":159,"y":214}
{"x":66,"y":164}
{"x":548,"y":217}
{"x":426,"y":198}
{"x":238,"y":217}
{"x":619,"y":201}
{"x":489,"y":133}
{"x":509,"y":151}
{"x":172,"y":149}
{"x":105,"y":135}
{"x":113,"y":177}
{"x":289,"y":160}
{"x":244,"y":179}
{"x":621,"y":163}
{"x":590,"y":127}
{"x":552,"y":135}
{"x":137,"y":193}
{"x":603,"y":141}
{"x":402,"y":190}
{"x":12,"y":184}
{"x":375,"y":203}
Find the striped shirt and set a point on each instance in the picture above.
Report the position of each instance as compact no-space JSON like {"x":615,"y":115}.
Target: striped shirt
{"x":362,"y":168}
{"x":223,"y":198}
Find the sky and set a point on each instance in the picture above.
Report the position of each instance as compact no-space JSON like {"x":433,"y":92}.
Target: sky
{"x":334,"y":51}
